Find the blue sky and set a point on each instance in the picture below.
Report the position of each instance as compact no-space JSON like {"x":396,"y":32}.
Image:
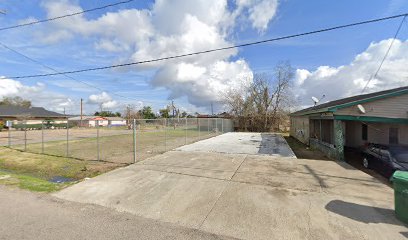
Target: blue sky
{"x":325,"y":63}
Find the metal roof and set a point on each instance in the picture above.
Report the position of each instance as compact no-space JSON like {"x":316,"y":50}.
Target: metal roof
{"x":37,"y":112}
{"x":354,"y":100}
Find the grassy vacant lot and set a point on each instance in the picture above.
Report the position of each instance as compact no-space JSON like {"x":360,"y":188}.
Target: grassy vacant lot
{"x":114,"y":146}
{"x":33,"y":171}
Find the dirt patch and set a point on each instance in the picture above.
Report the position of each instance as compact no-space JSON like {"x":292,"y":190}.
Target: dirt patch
{"x":303,"y":151}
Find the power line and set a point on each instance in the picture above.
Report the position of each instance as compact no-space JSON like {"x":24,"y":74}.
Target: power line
{"x":56,"y":71}
{"x":386,"y":54}
{"x":64,"y":16}
{"x":216,"y":49}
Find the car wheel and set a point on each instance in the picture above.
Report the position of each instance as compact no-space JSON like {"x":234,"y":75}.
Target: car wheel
{"x":365,"y":162}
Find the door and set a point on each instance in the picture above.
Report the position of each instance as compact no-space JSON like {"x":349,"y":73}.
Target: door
{"x":393,"y":135}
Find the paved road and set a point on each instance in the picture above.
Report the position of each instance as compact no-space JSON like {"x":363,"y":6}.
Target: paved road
{"x":26,"y":215}
{"x":248,"y":196}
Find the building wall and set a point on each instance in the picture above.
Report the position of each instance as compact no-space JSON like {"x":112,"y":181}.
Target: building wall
{"x":393,"y":107}
{"x":299,"y":128}
{"x":104,"y":123}
{"x":117,"y":122}
{"x":376,"y":133}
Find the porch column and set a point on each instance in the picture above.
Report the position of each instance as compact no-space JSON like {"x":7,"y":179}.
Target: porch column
{"x":339,"y":139}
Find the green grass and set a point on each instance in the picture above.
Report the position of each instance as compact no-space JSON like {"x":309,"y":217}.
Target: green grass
{"x":33,"y":171}
{"x":30,"y":183}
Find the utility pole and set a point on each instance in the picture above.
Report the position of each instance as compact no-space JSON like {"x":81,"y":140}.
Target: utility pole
{"x":172,"y":106}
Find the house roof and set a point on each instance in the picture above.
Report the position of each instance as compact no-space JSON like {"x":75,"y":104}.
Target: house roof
{"x":77,"y":118}
{"x":115,"y":118}
{"x":35,"y":112}
{"x":332,"y":106}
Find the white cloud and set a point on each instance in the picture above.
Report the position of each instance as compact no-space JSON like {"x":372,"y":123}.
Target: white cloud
{"x":170,"y":28}
{"x":349,"y":80}
{"x":37,"y":94}
{"x":104,"y":100}
{"x":261,"y":13}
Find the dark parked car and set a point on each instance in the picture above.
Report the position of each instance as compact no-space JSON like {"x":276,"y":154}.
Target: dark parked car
{"x":385,"y":159}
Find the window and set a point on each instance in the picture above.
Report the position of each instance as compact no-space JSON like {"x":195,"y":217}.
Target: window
{"x":364,"y":132}
{"x":393,"y":135}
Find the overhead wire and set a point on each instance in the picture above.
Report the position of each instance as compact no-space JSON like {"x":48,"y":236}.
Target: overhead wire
{"x":65,"y":75}
{"x":70,"y":77}
{"x":64,"y":16}
{"x":216,"y":49}
{"x":385,"y":56}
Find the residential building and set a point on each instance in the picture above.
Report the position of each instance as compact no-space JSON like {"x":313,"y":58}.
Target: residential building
{"x":380,"y":117}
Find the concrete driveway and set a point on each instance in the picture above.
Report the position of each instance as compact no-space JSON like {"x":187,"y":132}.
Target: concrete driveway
{"x":248,"y":196}
{"x":243,"y":143}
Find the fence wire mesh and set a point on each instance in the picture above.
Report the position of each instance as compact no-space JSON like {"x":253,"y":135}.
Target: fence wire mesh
{"x":103,"y":140}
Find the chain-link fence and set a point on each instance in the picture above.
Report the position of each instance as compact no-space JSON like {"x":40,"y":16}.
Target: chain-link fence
{"x":101,"y":140}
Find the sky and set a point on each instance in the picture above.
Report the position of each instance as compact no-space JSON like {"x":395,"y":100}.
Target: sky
{"x":335,"y":64}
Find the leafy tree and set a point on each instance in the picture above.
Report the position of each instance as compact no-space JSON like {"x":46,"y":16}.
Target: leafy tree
{"x":184,"y":114}
{"x":164,"y":113}
{"x":107,"y":114}
{"x":147,"y":113}
{"x":15,"y":101}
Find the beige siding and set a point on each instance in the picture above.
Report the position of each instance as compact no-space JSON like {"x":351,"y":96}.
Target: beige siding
{"x":376,"y":133}
{"x":393,"y":107}
{"x":299,"y":128}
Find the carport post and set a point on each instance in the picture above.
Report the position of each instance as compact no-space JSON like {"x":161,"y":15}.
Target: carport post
{"x":97,"y":140}
{"x":134,"y":140}
{"x":42,"y":137}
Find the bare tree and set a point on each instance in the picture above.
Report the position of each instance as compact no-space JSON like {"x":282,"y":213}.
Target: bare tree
{"x":130,"y":113}
{"x":262,"y":106}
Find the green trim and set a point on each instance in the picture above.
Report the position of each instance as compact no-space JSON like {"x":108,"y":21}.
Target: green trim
{"x":371,"y":119}
{"x":393,"y":94}
{"x":320,"y":110}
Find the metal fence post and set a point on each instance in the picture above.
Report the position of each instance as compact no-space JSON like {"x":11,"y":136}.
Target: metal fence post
{"x":42,"y":137}
{"x":222,"y":125}
{"x":216,"y":126}
{"x":165,"y":135}
{"x":134,"y":140}
{"x":208,"y":127}
{"x":97,"y":140}
{"x":9,"y":136}
{"x":198,"y":120}
{"x":25,"y":137}
{"x":185,"y":140}
{"x":67,"y":154}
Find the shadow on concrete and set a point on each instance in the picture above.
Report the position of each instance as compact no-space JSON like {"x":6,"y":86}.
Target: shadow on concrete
{"x":272,"y":143}
{"x":362,"y":213}
{"x":316,"y":176}
{"x":405,"y":234}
